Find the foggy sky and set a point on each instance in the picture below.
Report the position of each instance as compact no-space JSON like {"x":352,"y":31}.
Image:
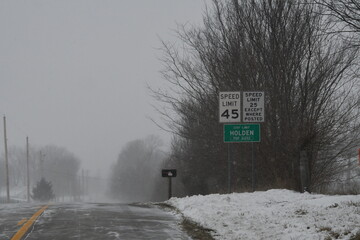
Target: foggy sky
{"x":73,"y":73}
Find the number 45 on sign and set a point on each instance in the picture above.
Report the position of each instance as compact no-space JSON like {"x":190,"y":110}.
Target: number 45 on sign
{"x":229,"y":107}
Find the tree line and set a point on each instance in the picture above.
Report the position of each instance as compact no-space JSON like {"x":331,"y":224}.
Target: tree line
{"x":302,"y":54}
{"x":50,"y":164}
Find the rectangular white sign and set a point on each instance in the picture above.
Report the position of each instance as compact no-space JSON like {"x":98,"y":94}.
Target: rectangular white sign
{"x":253,"y":107}
{"x":229,"y":108}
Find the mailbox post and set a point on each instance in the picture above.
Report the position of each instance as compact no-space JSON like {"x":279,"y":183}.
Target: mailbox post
{"x":169,"y":173}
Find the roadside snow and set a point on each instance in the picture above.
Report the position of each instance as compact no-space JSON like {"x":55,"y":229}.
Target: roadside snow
{"x":274,"y":214}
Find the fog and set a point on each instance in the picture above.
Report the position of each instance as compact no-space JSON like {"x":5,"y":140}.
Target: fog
{"x":74,"y":76}
{"x":135,"y":177}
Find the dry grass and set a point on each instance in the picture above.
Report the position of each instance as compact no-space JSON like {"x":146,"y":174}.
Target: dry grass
{"x":356,"y":236}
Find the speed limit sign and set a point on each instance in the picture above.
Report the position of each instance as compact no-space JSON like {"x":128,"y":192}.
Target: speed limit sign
{"x":229,"y":107}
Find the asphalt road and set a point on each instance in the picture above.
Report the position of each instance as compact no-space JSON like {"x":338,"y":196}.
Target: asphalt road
{"x":91,"y":221}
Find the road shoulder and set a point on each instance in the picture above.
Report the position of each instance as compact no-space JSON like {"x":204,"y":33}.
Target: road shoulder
{"x":192,"y":228}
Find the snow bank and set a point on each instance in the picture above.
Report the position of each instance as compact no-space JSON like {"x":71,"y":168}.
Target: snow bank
{"x":274,"y":214}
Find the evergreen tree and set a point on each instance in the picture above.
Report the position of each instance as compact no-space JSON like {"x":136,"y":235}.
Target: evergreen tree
{"x":43,"y":191}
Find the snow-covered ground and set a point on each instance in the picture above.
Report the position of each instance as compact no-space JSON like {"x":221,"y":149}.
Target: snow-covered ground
{"x":274,"y":214}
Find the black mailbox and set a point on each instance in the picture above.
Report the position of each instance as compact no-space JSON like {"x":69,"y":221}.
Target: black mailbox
{"x":168,"y":172}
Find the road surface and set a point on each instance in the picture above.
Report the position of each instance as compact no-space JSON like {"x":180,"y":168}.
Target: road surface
{"x":90,"y":221}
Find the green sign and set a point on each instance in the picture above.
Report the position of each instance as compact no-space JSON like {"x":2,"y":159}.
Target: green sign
{"x":242,"y":133}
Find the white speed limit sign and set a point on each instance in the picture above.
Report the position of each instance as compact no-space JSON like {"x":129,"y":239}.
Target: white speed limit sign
{"x":229,"y":107}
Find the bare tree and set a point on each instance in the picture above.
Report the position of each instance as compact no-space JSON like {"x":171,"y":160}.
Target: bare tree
{"x":55,"y":164}
{"x":345,"y":14}
{"x":61,"y":168}
{"x":277,"y":47}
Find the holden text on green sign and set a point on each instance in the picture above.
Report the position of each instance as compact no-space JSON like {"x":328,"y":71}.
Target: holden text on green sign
{"x":242,"y":133}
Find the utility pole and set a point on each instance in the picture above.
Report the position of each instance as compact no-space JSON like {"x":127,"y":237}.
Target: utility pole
{"x":83,"y":183}
{"x":87,"y":183}
{"x":27,"y":169}
{"x":41,"y":164}
{"x":6,"y":163}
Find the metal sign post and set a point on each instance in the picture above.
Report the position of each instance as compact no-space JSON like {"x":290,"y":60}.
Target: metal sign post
{"x":253,"y":111}
{"x":229,"y":168}
{"x":229,"y":112}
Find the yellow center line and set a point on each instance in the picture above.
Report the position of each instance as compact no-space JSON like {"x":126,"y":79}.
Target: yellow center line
{"x":28,"y":224}
{"x":21,"y":222}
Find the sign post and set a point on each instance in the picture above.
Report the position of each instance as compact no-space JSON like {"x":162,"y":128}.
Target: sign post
{"x":169,"y":173}
{"x":229,"y":112}
{"x":253,"y":111}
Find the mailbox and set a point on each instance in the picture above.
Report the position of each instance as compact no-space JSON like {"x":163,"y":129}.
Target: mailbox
{"x":168,"y":173}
